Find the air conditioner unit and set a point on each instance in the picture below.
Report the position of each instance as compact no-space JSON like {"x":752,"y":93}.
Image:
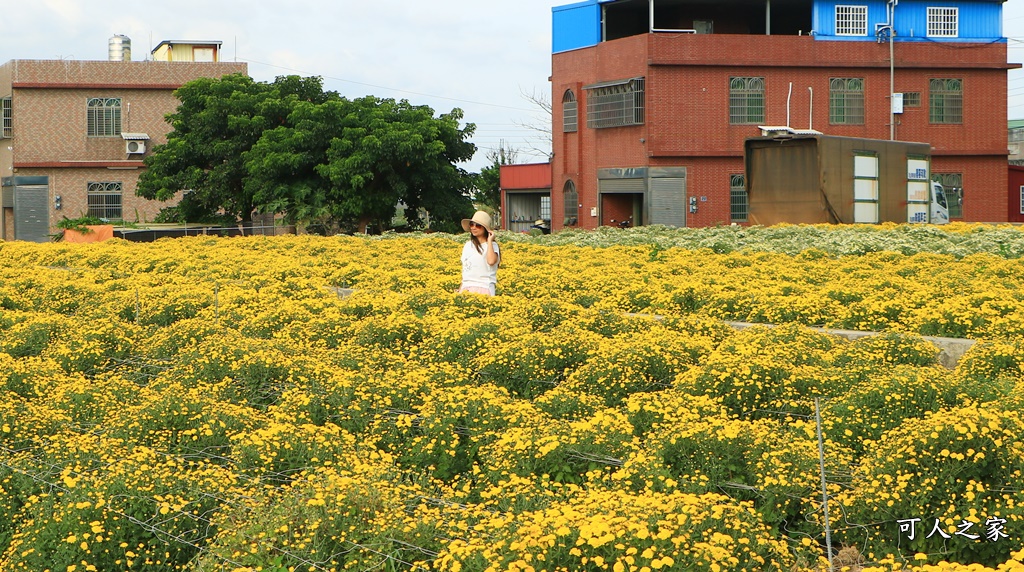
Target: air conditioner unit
{"x":134,"y":147}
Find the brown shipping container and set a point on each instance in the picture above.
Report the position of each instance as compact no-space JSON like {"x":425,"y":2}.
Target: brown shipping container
{"x":812,"y":178}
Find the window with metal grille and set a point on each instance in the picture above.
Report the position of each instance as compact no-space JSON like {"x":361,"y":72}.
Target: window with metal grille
{"x":105,"y":200}
{"x":746,"y":100}
{"x":738,"y":204}
{"x":846,"y":101}
{"x":953,"y":188}
{"x":943,"y":22}
{"x":851,"y":20}
{"x":946,"y":101}
{"x":615,"y":104}
{"x":1022,"y":199}
{"x":5,"y":118}
{"x":570,"y":114}
{"x":545,"y":207}
{"x":572,"y":204}
{"x":912,"y":99}
{"x":103,"y":117}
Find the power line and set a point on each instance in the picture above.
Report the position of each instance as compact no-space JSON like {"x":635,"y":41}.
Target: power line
{"x":388,"y":88}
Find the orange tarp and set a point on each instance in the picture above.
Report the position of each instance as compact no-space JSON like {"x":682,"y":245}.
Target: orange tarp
{"x":97,"y":233}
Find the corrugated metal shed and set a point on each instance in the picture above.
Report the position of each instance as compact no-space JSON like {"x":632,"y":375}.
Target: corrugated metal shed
{"x":527,"y":176}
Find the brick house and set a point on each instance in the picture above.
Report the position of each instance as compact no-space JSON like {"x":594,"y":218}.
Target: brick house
{"x":74,"y":135}
{"x":652,"y":100}
{"x":1015,"y":193}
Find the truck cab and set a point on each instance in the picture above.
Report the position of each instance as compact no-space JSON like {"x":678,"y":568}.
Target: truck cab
{"x":939,"y":208}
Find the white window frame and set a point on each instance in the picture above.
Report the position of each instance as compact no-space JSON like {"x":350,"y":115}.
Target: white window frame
{"x":570,"y":205}
{"x":103,"y":117}
{"x":943,"y":22}
{"x":746,"y":100}
{"x":6,"y":130}
{"x":851,"y":20}
{"x":739,"y":202}
{"x":570,"y":112}
{"x":106,"y":199}
{"x":846,"y":101}
{"x":1022,"y":199}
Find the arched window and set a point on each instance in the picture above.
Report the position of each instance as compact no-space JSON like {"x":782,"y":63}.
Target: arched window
{"x":738,"y":204}
{"x":572,"y":203}
{"x":103,"y":117}
{"x":746,"y":100}
{"x":846,"y":101}
{"x":946,"y":101}
{"x":570,"y":112}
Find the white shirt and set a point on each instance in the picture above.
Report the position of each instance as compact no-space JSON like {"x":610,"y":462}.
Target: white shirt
{"x":475,"y":270}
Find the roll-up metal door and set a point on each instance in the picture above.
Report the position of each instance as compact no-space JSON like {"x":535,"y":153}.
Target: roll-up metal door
{"x":621,"y":185}
{"x":667,"y":201}
{"x":31,"y":213}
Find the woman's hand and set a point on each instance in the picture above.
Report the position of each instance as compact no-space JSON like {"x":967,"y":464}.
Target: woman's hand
{"x":490,"y":256}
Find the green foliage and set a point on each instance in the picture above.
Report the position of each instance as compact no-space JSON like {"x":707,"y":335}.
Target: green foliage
{"x":887,"y":398}
{"x":79,"y":224}
{"x":954,"y":465}
{"x":354,"y":161}
{"x":289,"y":147}
{"x":534,"y":363}
{"x":94,"y":514}
{"x":488,"y":181}
{"x":991,"y":360}
{"x":32,"y":337}
{"x":806,"y":241}
{"x":890,"y":348}
{"x":760,"y":372}
{"x":632,"y":363}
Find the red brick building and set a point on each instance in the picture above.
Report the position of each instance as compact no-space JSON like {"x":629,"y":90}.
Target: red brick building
{"x":652,"y":100}
{"x":1015,"y":193}
{"x":74,"y":134}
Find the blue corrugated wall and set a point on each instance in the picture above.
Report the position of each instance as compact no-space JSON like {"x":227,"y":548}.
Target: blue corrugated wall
{"x":575,"y":26}
{"x":978,"y":21}
{"x":578,"y":25}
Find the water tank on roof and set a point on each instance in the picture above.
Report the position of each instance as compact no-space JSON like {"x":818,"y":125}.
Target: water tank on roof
{"x":120,"y":49}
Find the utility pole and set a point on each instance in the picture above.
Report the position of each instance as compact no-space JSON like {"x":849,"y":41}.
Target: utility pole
{"x":892,"y":69}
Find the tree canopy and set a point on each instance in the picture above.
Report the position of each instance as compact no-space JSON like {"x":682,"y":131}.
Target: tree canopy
{"x":290,"y":148}
{"x":488,"y":185}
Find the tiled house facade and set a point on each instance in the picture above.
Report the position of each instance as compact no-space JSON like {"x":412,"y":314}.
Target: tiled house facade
{"x":75,"y":134}
{"x":653,"y":99}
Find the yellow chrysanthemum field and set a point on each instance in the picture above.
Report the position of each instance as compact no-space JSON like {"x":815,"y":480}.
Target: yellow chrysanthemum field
{"x":304,"y":403}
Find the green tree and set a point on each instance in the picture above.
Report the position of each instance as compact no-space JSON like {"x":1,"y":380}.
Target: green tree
{"x":288,"y":147}
{"x":217,"y":121}
{"x":488,"y":182}
{"x":353,"y":162}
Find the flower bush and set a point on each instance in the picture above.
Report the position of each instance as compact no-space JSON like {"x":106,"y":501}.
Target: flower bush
{"x":311,"y":403}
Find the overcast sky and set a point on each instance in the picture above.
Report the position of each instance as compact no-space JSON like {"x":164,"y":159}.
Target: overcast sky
{"x":478,"y":55}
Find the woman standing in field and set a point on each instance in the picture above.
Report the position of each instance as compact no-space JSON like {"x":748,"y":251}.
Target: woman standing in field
{"x":480,"y":256}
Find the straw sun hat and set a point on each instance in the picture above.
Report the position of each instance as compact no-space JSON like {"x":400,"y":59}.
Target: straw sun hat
{"x":481,"y":218}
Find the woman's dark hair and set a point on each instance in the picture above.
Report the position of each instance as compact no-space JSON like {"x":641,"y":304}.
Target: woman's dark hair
{"x":476,"y":242}
{"x":479,"y":247}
